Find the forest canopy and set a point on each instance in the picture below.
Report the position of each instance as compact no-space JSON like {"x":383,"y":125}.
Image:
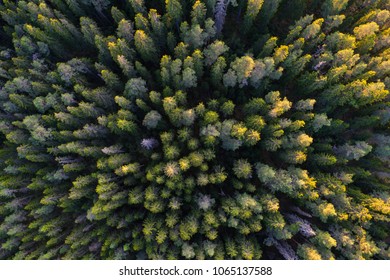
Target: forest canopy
{"x":215,"y":129}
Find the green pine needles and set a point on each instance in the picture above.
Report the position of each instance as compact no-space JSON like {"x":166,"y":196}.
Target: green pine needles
{"x":194,"y":129}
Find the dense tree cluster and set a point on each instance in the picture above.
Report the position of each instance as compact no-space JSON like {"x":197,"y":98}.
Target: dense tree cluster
{"x":215,"y":129}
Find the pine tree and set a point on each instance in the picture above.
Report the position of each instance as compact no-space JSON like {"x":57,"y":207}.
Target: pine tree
{"x":145,"y":46}
{"x":333,"y":7}
{"x":252,"y":10}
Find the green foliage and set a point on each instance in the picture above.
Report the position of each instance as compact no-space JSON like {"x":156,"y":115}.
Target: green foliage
{"x":333,"y":7}
{"x":194,"y":129}
{"x":252,"y":10}
{"x":242,"y":169}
